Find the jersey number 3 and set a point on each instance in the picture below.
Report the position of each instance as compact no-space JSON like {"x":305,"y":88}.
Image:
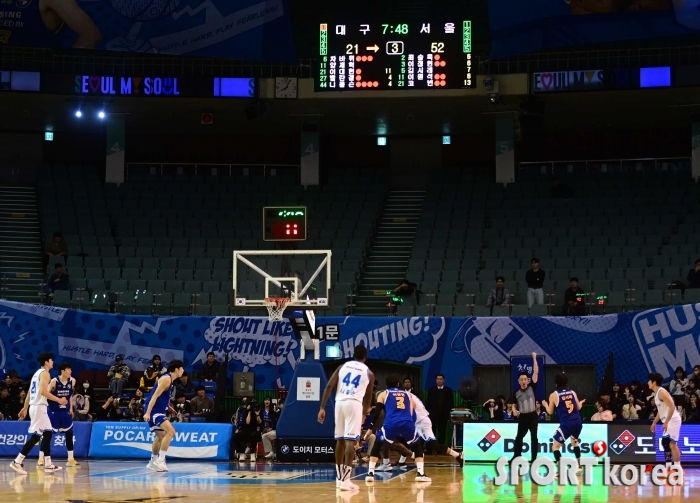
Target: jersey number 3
{"x":355,"y":382}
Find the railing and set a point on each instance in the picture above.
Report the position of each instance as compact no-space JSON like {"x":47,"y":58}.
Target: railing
{"x":95,"y":62}
{"x":643,"y":165}
{"x":207,"y":169}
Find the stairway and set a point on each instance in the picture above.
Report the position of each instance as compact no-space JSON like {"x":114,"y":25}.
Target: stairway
{"x":20,"y":245}
{"x":388,"y":258}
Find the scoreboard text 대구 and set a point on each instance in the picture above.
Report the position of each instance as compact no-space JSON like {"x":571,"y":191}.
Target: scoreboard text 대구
{"x":395,"y":56}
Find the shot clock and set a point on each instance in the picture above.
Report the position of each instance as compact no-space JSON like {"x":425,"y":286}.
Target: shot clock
{"x":395,"y":56}
{"x":284,"y":223}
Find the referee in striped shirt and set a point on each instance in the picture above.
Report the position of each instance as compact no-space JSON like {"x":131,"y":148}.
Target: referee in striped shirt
{"x":527,"y":412}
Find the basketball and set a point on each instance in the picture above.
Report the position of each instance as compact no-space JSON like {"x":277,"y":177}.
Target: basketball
{"x":145,"y":10}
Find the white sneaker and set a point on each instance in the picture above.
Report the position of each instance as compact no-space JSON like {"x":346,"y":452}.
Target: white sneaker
{"x":369,"y":477}
{"x":160,"y":465}
{"x":252,"y":458}
{"x":52,"y":468}
{"x":241,"y":457}
{"x":151,"y":466}
{"x":18,"y":467}
{"x":271,"y":455}
{"x":422,"y":477}
{"x":384,"y":468}
{"x":346,"y":485}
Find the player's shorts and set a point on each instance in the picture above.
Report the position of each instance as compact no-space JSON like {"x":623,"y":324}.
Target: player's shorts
{"x":392,"y":432}
{"x":568,"y":429}
{"x":348,"y":419}
{"x":39,"y":419}
{"x":673,"y":432}
{"x":60,"y":420}
{"x":425,"y":430}
{"x":156,"y":419}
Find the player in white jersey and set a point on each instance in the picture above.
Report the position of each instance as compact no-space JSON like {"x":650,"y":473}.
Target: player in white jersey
{"x":668,"y":414}
{"x":354,"y":383}
{"x":40,"y":427}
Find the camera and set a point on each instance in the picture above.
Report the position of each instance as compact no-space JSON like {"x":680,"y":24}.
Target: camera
{"x":180,"y":406}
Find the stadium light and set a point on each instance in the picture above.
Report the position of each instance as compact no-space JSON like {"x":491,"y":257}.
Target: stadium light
{"x":381,"y":141}
{"x":78,"y":114}
{"x":101,"y":115}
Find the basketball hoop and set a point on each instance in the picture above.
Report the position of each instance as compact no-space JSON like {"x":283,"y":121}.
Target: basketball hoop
{"x":276,"y":306}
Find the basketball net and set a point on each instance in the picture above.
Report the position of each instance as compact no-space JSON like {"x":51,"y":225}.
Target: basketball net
{"x":276,"y":306}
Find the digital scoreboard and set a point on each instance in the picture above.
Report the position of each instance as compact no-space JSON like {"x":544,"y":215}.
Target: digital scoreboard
{"x":391,"y":56}
{"x":284,"y":223}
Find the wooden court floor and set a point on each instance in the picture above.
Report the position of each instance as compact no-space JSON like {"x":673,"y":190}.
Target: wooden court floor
{"x":265,"y":482}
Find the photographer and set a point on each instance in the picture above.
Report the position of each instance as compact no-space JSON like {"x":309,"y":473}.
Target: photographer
{"x":184,"y":386}
{"x":202,"y":405}
{"x":110,"y":411}
{"x":182,"y":409}
{"x":134,"y":411}
{"x":247,"y":435}
{"x":81,"y":407}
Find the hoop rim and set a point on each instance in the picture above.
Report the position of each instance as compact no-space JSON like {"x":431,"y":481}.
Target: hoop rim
{"x":278,"y":301}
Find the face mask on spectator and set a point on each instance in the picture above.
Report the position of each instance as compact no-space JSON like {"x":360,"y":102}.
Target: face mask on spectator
{"x":86,"y":385}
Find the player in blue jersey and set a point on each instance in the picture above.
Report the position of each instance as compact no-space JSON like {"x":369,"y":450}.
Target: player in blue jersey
{"x":156,"y":415}
{"x":61,"y":416}
{"x":567,"y":405}
{"x":399,"y":424}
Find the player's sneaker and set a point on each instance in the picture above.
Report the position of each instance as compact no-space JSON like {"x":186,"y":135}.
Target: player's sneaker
{"x":422,"y":477}
{"x":252,"y":458}
{"x":271,"y":455}
{"x":384,"y":468}
{"x":160,"y":465}
{"x":52,"y":468}
{"x":151,"y":466}
{"x":72,"y":463}
{"x":346,"y":485}
{"x":369,"y":477}
{"x":460,"y":460}
{"x":402,"y":466}
{"x":18,"y":467}
{"x":40,"y":462}
{"x":241,"y":457}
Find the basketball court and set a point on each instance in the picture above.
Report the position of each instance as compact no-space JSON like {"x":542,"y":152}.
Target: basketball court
{"x":113,"y":481}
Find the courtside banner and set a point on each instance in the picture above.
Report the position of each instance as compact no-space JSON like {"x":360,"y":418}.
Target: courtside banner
{"x":13,"y":435}
{"x":489,"y":441}
{"x":133,"y":441}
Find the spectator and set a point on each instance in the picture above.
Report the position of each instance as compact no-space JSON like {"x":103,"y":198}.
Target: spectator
{"x":58,"y":280}
{"x":541,"y":413}
{"x":157,"y":365}
{"x":604,"y":413}
{"x":405,"y":289}
{"x":618,"y":398}
{"x":407,"y":385}
{"x":56,"y":247}
{"x":247,"y":435}
{"x":134,"y":411}
{"x":10,"y":383}
{"x":210,"y":368}
{"x":560,"y":190}
{"x":677,"y":387}
{"x":690,"y":390}
{"x":89,"y":393}
{"x":21,"y":397}
{"x":574,"y":305}
{"x":496,"y":407}
{"x":269,"y":416}
{"x":511,"y":407}
{"x":695,"y":376}
{"x":110,"y":411}
{"x":604,"y":396}
{"x":202,"y":405}
{"x":440,"y":404}
{"x":182,"y":408}
{"x":81,"y":407}
{"x":692,"y":410}
{"x":631,"y":410}
{"x":119,"y":374}
{"x":694,"y":276}
{"x":535,"y":281}
{"x":498,"y":296}
{"x":635,"y":389}
{"x":148,"y":379}
{"x":8,"y":405}
{"x":184,"y":386}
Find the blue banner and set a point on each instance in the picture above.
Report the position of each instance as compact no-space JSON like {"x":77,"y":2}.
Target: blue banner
{"x":237,"y":29}
{"x":133,"y":441}
{"x":657,"y":340}
{"x":519,"y":364}
{"x":536,"y":25}
{"x":13,"y":435}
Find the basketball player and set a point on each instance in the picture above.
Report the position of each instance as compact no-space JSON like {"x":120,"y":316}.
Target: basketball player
{"x":158,"y":402}
{"x":425,"y":429}
{"x":668,"y":414}
{"x":354,"y":383}
{"x":398,"y":406}
{"x":567,"y":405}
{"x":62,"y":415}
{"x":40,"y":426}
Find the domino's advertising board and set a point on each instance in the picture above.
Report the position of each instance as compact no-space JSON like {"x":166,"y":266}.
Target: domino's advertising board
{"x":133,"y":441}
{"x":656,"y":340}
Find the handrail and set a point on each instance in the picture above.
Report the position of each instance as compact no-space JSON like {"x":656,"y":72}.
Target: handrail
{"x":205,"y":165}
{"x":619,"y":163}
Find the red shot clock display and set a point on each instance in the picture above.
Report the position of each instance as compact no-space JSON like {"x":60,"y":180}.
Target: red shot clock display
{"x":284,"y":223}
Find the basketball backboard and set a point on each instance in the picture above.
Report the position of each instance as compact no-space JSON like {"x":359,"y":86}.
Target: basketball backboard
{"x":261,"y":274}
